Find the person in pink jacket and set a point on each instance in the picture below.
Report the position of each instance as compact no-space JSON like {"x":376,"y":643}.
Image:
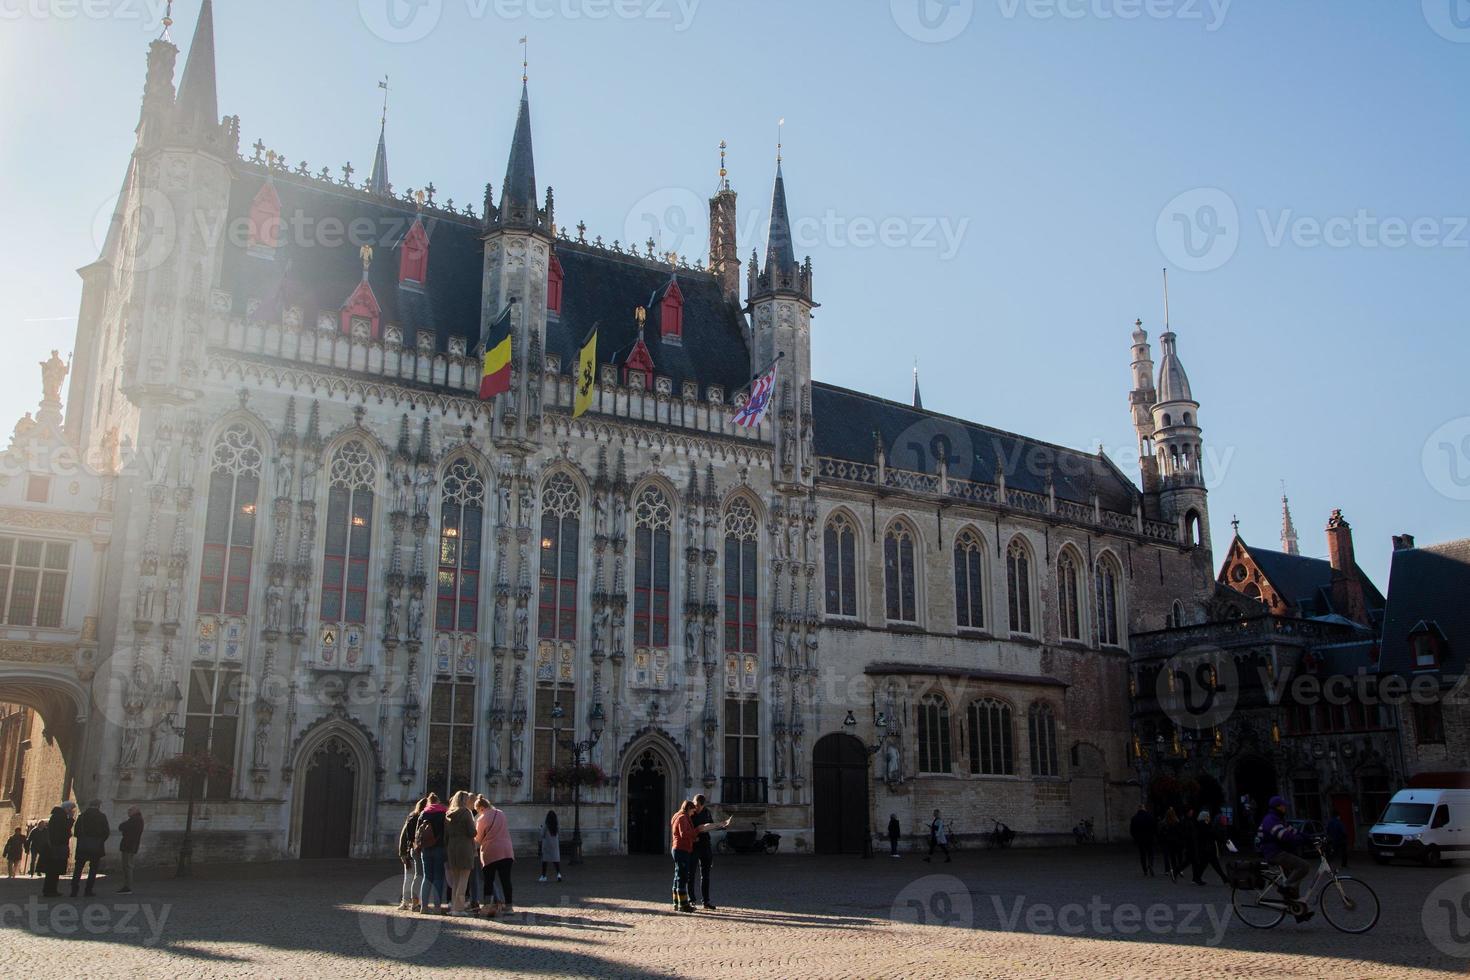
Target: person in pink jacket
{"x":497,"y":853}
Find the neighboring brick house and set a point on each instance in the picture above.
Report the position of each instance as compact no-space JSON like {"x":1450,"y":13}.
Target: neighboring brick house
{"x":1426,"y":634}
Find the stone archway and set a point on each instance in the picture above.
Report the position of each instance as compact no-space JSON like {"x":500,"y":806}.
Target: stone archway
{"x":651,"y":783}
{"x":42,"y":739}
{"x":335,"y":774}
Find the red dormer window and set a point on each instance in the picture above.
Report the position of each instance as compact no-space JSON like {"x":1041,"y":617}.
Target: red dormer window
{"x":554,"y":277}
{"x":671,"y":312}
{"x":638,"y":367}
{"x":413,"y":255}
{"x":361,"y":315}
{"x":265,"y":218}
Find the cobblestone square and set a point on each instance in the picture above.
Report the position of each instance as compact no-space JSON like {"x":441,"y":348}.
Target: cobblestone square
{"x":1019,"y":913}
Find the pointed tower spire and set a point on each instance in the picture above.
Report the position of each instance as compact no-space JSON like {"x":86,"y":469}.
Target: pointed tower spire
{"x":378,"y":179}
{"x":918,"y":399}
{"x":780,"y":255}
{"x":198,"y":103}
{"x":1288,"y":529}
{"x":518,"y":192}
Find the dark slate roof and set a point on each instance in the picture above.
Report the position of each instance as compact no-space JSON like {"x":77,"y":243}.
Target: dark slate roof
{"x":198,"y":103}
{"x":846,"y":420}
{"x":1307,"y":582}
{"x":1431,"y":585}
{"x":520,"y":170}
{"x":779,"y":252}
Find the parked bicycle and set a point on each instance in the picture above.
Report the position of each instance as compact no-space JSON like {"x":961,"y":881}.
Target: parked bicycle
{"x":1259,"y":899}
{"x":1083,"y":831}
{"x":999,"y":835}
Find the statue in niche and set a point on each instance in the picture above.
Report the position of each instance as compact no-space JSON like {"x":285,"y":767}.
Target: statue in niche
{"x":620,"y":514}
{"x":285,"y":469}
{"x":159,"y":743}
{"x":172,"y":601}
{"x":127,"y":756}
{"x":415,"y":616}
{"x":147,"y":588}
{"x":262,"y":736}
{"x":398,"y":479}
{"x":275,"y":603}
{"x":410,"y":738}
{"x":394,"y":616}
{"x":310,"y":467}
{"x":298,"y":608}
{"x":599,"y":515}
{"x":506,"y":517}
{"x":892,"y":767}
{"x":423,"y":482}
{"x":499,"y":616}
{"x":693,"y":630}
{"x":522,"y":625}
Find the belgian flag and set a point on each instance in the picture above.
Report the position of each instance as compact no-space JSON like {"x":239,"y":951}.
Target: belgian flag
{"x":495,"y":374}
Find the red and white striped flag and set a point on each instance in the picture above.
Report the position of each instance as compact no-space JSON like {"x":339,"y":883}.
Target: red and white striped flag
{"x":761,"y":390}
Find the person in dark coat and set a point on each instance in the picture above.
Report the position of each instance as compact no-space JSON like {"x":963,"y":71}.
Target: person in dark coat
{"x":1206,"y":853}
{"x":58,"y":847}
{"x":1171,"y":841}
{"x":895,"y":831}
{"x":36,"y":846}
{"x":1143,"y":828}
{"x":1337,"y":839}
{"x":15,"y":850}
{"x":130,"y":834}
{"x":92,"y":831}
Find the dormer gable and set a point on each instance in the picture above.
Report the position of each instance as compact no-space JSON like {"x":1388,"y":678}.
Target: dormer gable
{"x":413,"y":255}
{"x":554,"y":279}
{"x":264,"y":223}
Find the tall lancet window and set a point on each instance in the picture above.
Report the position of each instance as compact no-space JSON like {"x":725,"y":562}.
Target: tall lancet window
{"x":352,"y":475}
{"x":900,"y":586}
{"x":839,"y":552}
{"x":969,"y":582}
{"x":1018,"y":586}
{"x":561,"y":523}
{"x":740,"y":577}
{"x":1107,"y":586}
{"x":229,"y":522}
{"x":653,"y":520}
{"x":461,"y":519}
{"x":1069,"y":614}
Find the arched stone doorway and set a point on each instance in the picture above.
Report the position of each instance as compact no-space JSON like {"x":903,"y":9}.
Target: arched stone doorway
{"x":41,"y":737}
{"x":335,"y":772}
{"x":652,"y":783}
{"x":839,"y":794}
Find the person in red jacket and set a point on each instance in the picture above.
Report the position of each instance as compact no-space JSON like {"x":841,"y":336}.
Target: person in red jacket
{"x":684,"y":833}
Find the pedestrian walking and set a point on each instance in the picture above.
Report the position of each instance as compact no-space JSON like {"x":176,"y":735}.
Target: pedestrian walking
{"x":36,"y":845}
{"x":1206,"y":848}
{"x":1337,"y":839}
{"x":129,"y":836}
{"x":15,"y":850}
{"x":550,"y":845}
{"x":682,"y":828}
{"x":1143,"y":828}
{"x":58,"y":847}
{"x":92,"y":831}
{"x":895,"y":831}
{"x":1171,"y":842}
{"x":497,"y":856}
{"x":459,"y":850}
{"x":704,"y":848}
{"x":428,"y":843}
{"x":938,"y":837}
{"x":413,"y":865}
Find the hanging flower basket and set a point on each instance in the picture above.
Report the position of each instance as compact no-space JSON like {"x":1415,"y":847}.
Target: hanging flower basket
{"x":193,"y":765}
{"x":562,"y":777}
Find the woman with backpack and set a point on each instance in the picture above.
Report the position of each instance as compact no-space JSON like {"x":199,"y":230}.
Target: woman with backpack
{"x":413,"y":865}
{"x":550,"y":845}
{"x":459,"y":850}
{"x":428,"y":843}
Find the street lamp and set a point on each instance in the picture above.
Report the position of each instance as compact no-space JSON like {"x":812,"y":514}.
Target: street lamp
{"x":578,"y":748}
{"x":881,"y":723}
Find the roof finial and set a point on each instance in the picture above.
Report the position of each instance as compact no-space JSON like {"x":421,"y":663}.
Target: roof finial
{"x":168,"y":21}
{"x":724,"y":174}
{"x":525,"y":58}
{"x":1235,"y":523}
{"x":918,"y":401}
{"x":384,"y":86}
{"x":780,"y":126}
{"x":1166,"y":301}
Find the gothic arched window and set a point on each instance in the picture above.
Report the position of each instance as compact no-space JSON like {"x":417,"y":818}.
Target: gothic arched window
{"x":1042,"y":729}
{"x":1107,"y":585}
{"x":229,"y":522}
{"x":561,"y":524}
{"x":969,"y":584}
{"x":740,"y":577}
{"x":653,"y":522}
{"x":1069,"y":612}
{"x":1176,"y":615}
{"x":900,"y":587}
{"x":461,"y":518}
{"x":1018,"y":586}
{"x":933,"y":731}
{"x":991,"y":749}
{"x":351,"y":477}
{"x":839,"y":553}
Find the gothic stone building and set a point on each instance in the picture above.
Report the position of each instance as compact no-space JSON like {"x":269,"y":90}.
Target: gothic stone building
{"x":351,"y":580}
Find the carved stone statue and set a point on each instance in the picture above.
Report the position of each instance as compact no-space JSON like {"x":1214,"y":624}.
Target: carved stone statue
{"x":399,"y":480}
{"x":778,"y":647}
{"x":147,"y":589}
{"x":506,"y":517}
{"x":620,"y":514}
{"x":495,"y":736}
{"x":793,"y":540}
{"x":410,"y":738}
{"x":275,"y":606}
{"x":811,"y":650}
{"x":172,"y":601}
{"x":415,"y":616}
{"x":693,"y":630}
{"x":525,"y":505}
{"x":423,"y":482}
{"x":599,"y":515}
{"x":892,"y":768}
{"x":310,"y":468}
{"x":298,"y":608}
{"x":601,"y":622}
{"x":262,"y":737}
{"x":53,"y":373}
{"x":522,"y":626}
{"x":394,"y":617}
{"x":127,"y":756}
{"x":158,"y":744}
{"x":285,"y":469}
{"x":500,"y":626}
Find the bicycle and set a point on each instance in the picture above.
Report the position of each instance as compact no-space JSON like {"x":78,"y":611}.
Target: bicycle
{"x":1000,"y":835}
{"x":1083,"y":832}
{"x":1348,"y":903}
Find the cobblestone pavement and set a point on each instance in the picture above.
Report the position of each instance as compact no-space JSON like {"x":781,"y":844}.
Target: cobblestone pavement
{"x":1020,"y":913}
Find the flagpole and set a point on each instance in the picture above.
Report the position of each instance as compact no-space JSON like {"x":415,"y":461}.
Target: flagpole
{"x":757,"y":376}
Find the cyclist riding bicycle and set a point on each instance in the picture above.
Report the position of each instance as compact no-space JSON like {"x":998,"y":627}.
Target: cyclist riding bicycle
{"x":1275,"y":838}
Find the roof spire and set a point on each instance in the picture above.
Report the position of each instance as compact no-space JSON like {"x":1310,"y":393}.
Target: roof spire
{"x":198,"y":103}
{"x":1166,"y":301}
{"x":518,"y":193}
{"x":918,"y":400}
{"x":780,"y":256}
{"x":1288,"y":528}
{"x":378,"y":177}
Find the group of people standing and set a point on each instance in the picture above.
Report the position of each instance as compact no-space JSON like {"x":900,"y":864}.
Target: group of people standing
{"x":46,"y":847}
{"x":1191,"y":843}
{"x":457,"y":858}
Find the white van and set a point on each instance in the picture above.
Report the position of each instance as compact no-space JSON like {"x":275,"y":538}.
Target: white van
{"x":1425,"y":825}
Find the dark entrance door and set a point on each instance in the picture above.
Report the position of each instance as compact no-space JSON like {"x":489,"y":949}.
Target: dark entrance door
{"x":840,"y":794}
{"x":326,"y":809}
{"x":1255,"y":778}
{"x":647,"y":805}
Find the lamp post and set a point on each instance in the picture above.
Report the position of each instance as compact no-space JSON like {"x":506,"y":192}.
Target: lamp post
{"x":850,"y":725}
{"x":578,"y":748}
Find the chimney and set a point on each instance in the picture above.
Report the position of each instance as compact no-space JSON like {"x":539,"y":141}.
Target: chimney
{"x":1347,"y":583}
{"x":1403,"y":542}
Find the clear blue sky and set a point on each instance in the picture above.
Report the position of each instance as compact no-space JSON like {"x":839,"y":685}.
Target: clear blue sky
{"x":1051,"y":136}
